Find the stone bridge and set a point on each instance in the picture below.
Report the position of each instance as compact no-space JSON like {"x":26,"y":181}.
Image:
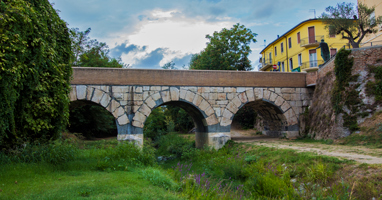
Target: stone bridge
{"x":212,"y":98}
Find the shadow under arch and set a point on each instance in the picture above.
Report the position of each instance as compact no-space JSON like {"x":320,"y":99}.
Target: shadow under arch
{"x":198,"y":117}
{"x":90,"y":116}
{"x":274,"y":120}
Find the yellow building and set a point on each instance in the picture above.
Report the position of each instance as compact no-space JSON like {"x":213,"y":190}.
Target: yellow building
{"x":296,"y":50}
{"x":373,"y":39}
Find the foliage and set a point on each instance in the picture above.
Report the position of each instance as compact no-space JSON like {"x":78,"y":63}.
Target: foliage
{"x":343,"y":19}
{"x":56,"y":153}
{"x":182,"y":120}
{"x":34,"y":72}
{"x":159,"y":178}
{"x":246,"y":116}
{"x":155,"y":125}
{"x":375,"y":88}
{"x":91,"y":53}
{"x":169,"y":65}
{"x":92,"y":121}
{"x":172,"y":144}
{"x":226,"y":50}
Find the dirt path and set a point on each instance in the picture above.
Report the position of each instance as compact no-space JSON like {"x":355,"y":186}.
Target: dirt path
{"x":358,"y":153}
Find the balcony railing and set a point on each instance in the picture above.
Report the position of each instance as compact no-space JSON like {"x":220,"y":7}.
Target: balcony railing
{"x":311,"y":41}
{"x":312,"y":63}
{"x":265,"y":63}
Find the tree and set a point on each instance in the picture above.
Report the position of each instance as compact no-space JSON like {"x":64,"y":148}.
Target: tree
{"x":353,"y":24}
{"x":226,"y":50}
{"x":169,"y":65}
{"x":34,"y":72}
{"x":91,"y":53}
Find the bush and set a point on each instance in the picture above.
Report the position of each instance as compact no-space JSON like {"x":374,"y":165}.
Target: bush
{"x":35,"y":72}
{"x":159,"y":178}
{"x":173,"y":144}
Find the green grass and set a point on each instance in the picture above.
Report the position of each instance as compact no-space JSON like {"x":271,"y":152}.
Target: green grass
{"x":107,"y":169}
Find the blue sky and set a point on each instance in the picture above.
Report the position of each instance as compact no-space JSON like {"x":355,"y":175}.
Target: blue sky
{"x":149,"y":33}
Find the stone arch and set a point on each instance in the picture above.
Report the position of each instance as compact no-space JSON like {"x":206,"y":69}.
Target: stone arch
{"x":272,"y":106}
{"x":100,"y":95}
{"x":197,"y":106}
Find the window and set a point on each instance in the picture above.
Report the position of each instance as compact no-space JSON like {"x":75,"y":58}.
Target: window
{"x":333,"y":52}
{"x":331,"y":32}
{"x":282,"y":47}
{"x":298,"y":38}
{"x":275,"y":51}
{"x":290,"y":64}
{"x":299,"y":60}
{"x":290,"y":42}
{"x":270,"y":58}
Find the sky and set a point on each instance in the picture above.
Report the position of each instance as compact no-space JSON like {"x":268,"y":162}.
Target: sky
{"x":147,"y":34}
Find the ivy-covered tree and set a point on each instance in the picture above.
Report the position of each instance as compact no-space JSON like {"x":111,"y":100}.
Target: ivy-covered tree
{"x":35,"y":55}
{"x":353,"y":24}
{"x":226,"y":50}
{"x":91,"y":53}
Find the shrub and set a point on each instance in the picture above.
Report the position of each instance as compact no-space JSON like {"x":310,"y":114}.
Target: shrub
{"x":159,"y":178}
{"x":173,"y":144}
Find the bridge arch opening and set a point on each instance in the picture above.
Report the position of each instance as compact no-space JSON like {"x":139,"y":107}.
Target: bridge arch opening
{"x":91,"y":119}
{"x":270,"y":118}
{"x":196,"y":115}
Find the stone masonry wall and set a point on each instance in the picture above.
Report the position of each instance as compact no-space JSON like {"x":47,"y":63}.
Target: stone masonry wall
{"x":322,"y":122}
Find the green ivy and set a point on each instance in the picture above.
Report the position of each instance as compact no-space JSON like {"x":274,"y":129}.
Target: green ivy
{"x":34,"y":72}
{"x":343,"y":94}
{"x":375,"y":88}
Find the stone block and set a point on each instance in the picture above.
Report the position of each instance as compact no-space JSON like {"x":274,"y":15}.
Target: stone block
{"x":138,"y":97}
{"x":121,"y":89}
{"x":266,"y":94}
{"x":145,"y":95}
{"x":229,"y":89}
{"x":155,"y":88}
{"x":287,"y":97}
{"x":205,"y":95}
{"x":89,"y":93}
{"x":213,"y":96}
{"x":174,"y":93}
{"x":296,"y":97}
{"x":197,"y":100}
{"x":138,"y":89}
{"x":222,"y":96}
{"x":81,"y":92}
{"x":113,"y":105}
{"x":135,"y":108}
{"x":146,"y":88}
{"x":122,"y":120}
{"x":232,"y":107}
{"x":230,"y":96}
{"x":237,"y":101}
{"x":289,"y":114}
{"x":203,"y":89}
{"x":145,"y":110}
{"x":250,"y":95}
{"x":225,"y":122}
{"x":240,"y":89}
{"x":222,"y":102}
{"x":227,"y":114}
{"x":97,"y":95}
{"x":218,"y":140}
{"x":137,"y":124}
{"x":243,"y":97}
{"x":258,"y":93}
{"x":285,"y":106}
{"x":165,"y":96}
{"x":278,"y":91}
{"x":218,"y":111}
{"x":118,"y":112}
{"x":139,"y":117}
{"x":298,"y":90}
{"x":271,"y":89}
{"x":189,"y":96}
{"x":203,"y":105}
{"x":212,"y":102}
{"x":150,"y":102}
{"x":288,"y":90}
{"x":137,"y":139}
{"x":182,"y":93}
{"x":73,"y":94}
{"x":156,"y":96}
{"x":105,"y":100}
{"x":273,"y":96}
{"x":164,"y":87}
{"x":193,"y":89}
{"x":279,"y":101}
{"x":209,"y":111}
{"x":119,"y":96}
{"x":105,"y":88}
{"x":212,"y":120}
